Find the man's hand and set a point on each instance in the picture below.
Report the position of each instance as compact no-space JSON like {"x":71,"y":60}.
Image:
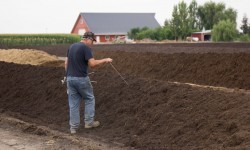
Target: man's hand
{"x":92,"y":62}
{"x":108,"y":60}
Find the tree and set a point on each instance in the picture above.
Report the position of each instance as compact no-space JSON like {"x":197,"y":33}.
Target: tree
{"x":167,"y":23}
{"x":211,"y":13}
{"x":175,"y":22}
{"x":225,"y":30}
{"x":230,"y":14}
{"x":163,"y":33}
{"x":193,"y":18}
{"x":180,"y":21}
{"x":245,"y":27}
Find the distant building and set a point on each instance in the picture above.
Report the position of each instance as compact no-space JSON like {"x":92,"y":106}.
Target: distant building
{"x":111,"y":26}
{"x":203,"y":35}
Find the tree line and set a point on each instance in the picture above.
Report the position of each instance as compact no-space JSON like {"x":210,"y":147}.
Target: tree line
{"x":187,"y":19}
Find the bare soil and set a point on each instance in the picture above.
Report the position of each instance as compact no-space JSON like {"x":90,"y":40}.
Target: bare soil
{"x":157,"y":110}
{"x":15,"y":134}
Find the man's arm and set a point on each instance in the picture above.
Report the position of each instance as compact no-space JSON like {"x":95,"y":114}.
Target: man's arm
{"x":93,"y":63}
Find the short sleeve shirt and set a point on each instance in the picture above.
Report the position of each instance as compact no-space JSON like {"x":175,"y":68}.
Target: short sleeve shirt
{"x":78,"y":55}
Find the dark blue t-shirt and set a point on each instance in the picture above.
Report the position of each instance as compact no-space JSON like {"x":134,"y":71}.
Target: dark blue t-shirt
{"x":78,"y":56}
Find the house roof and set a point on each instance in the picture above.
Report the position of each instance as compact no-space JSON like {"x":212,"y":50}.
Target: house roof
{"x":118,"y":23}
{"x":205,"y":31}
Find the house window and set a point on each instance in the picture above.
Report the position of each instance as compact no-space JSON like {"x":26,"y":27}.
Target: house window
{"x":107,"y":37}
{"x":81,"y":21}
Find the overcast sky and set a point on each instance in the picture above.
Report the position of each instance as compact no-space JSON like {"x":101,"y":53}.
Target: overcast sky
{"x":59,"y":16}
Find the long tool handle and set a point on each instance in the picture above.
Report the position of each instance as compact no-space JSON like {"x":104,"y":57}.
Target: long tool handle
{"x":119,"y":73}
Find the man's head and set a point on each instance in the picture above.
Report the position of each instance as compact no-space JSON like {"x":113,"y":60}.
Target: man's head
{"x":89,"y":37}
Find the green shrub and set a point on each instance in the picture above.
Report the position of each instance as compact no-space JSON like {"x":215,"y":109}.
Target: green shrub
{"x":244,"y":38}
{"x":159,"y":34}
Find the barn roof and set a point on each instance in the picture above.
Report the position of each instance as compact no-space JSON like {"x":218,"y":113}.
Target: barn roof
{"x":118,"y":23}
{"x":205,"y":31}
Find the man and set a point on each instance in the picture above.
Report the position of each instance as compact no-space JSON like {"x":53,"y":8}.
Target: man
{"x":79,"y":87}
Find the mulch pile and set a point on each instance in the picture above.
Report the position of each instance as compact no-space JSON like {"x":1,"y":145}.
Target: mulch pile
{"x":26,"y":56}
{"x":150,"y":113}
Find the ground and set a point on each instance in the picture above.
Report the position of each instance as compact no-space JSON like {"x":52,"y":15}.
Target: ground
{"x":15,"y":137}
{"x":17,"y":134}
{"x":180,"y":96}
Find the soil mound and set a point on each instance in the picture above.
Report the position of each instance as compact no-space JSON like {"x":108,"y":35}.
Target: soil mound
{"x":26,"y":56}
{"x":169,"y":48}
{"x":150,"y":113}
{"x":226,"y":70}
{"x":147,"y":114}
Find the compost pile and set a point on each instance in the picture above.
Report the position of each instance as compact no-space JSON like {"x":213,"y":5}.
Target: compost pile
{"x":26,"y":56}
{"x":156,"y":110}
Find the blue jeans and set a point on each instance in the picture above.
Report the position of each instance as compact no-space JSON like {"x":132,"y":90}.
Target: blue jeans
{"x":79,"y":88}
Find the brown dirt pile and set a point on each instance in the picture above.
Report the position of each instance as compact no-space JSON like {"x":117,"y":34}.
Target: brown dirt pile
{"x":147,"y":114}
{"x":170,"y":48}
{"x":214,"y":64}
{"x":226,"y":70}
{"x":26,"y":56}
{"x":150,"y":113}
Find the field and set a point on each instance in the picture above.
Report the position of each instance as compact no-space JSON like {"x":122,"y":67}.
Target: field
{"x":180,"y":96}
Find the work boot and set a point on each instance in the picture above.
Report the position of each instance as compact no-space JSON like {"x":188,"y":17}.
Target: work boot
{"x":73,"y":131}
{"x":94,"y":124}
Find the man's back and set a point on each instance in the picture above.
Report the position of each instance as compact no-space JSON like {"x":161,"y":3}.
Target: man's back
{"x":78,"y":56}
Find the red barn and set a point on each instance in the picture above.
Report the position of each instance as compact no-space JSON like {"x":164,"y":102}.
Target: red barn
{"x":203,"y":35}
{"x":111,"y":26}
